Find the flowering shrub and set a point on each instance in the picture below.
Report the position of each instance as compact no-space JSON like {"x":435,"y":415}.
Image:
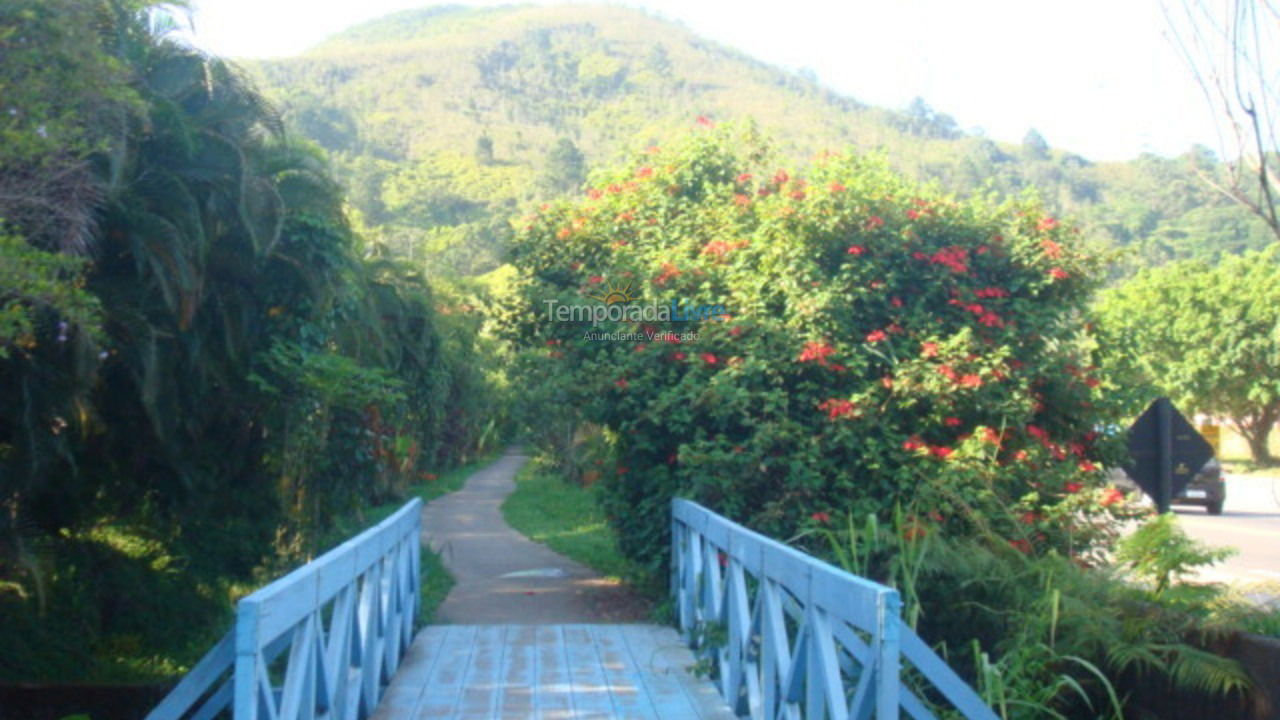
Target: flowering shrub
{"x":880,"y":344}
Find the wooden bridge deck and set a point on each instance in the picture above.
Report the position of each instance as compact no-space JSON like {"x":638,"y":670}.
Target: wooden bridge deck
{"x":554,"y":672}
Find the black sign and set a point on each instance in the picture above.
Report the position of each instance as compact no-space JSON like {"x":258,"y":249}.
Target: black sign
{"x":1165,"y":452}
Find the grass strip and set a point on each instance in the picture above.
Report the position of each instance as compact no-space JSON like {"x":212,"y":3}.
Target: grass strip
{"x":566,"y":518}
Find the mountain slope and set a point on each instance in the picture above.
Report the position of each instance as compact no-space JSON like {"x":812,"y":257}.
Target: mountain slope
{"x":445,"y":121}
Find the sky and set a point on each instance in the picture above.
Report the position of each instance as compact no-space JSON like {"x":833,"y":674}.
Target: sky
{"x":1095,"y":77}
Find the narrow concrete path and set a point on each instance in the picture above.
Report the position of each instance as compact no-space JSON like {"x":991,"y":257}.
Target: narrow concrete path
{"x":502,"y":576}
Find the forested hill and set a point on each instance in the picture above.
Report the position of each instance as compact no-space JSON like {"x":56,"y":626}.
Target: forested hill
{"x":444,"y":122}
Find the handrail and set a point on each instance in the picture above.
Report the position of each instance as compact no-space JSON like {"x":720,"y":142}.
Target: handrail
{"x":790,"y":635}
{"x":346,"y":619}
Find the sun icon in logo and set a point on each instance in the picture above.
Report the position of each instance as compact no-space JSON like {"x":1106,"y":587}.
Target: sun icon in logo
{"x":616,"y":294}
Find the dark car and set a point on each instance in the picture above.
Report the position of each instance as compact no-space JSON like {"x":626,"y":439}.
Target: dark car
{"x":1206,"y":489}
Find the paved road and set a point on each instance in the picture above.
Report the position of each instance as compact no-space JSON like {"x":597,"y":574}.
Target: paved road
{"x":1250,"y":522}
{"x":502,"y":576}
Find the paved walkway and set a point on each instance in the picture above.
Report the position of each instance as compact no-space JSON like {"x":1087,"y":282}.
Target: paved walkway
{"x":502,"y":576}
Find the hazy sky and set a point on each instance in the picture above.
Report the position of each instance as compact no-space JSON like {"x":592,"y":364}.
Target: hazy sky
{"x":1095,"y":77}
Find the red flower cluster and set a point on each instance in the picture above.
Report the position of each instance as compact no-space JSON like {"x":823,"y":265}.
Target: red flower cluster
{"x":1047,"y":223}
{"x":816,"y":352}
{"x":837,"y":408}
{"x":835,"y":187}
{"x":992,"y":292}
{"x":876,"y":336}
{"x":821,"y":517}
{"x":1051,"y":249}
{"x":928,"y":349}
{"x":668,"y":271}
{"x":744,"y":177}
{"x":644,"y":172}
{"x":1058,"y":274}
{"x":1111,"y":497}
{"x":856,"y":249}
{"x":781,"y":177}
{"x":956,"y":259}
{"x":720,"y":248}
{"x":621,"y":383}
{"x":873,"y":222}
{"x":708,"y":358}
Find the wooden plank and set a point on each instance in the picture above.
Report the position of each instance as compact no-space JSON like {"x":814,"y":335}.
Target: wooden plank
{"x":630,"y":696}
{"x":483,"y":688}
{"x":519,"y":673}
{"x":553,"y":697}
{"x":590,"y":688}
{"x":443,"y":683}
{"x":664,"y":661}
{"x":404,"y":694}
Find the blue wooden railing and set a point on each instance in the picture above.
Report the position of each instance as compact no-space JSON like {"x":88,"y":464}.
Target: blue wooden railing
{"x":790,"y":636}
{"x":345,"y":619}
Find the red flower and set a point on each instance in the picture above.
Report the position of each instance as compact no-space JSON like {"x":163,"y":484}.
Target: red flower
{"x":876,"y":336}
{"x":781,"y":177}
{"x":741,"y":200}
{"x":821,"y":517}
{"x":1047,"y":223}
{"x":644,"y":172}
{"x":594,"y":194}
{"x":1058,"y":274}
{"x":940,"y":451}
{"x":704,"y":121}
{"x":896,"y":302}
{"x":562,"y":233}
{"x":912,"y":443}
{"x":797,"y":195}
{"x":708,"y":358}
{"x":991,"y":319}
{"x":970,"y":380}
{"x":954,"y":258}
{"x":668,"y":271}
{"x":952,"y":422}
{"x":678,"y":355}
{"x":1029,"y":518}
{"x":1051,"y":249}
{"x":816,"y":352}
{"x":887,"y":382}
{"x":856,"y":250}
{"x":1086,"y":466}
{"x":835,"y":187}
{"x":929,"y":349}
{"x":1111,"y":497}
{"x":989,"y":435}
{"x":1073,"y":487}
{"x":947,"y":371}
{"x":641,"y":347}
{"x":744,"y":177}
{"x":621,"y":383}
{"x":736,"y":330}
{"x":873,"y":222}
{"x":595,"y":279}
{"x":837,"y":408}
{"x":992,"y":292}
{"x":913,"y":214}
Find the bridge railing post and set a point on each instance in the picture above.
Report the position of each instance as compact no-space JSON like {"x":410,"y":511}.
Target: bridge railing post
{"x":352,"y":608}
{"x":792,"y":636}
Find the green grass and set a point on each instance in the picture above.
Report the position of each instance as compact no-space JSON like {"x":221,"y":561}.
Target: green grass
{"x":565,"y":518}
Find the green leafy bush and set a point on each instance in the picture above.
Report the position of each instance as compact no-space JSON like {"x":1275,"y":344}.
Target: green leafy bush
{"x":871,"y":342}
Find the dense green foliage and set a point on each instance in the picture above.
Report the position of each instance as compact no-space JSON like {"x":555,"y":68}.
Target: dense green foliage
{"x":186,"y":407}
{"x":1043,"y":637}
{"x":874,"y":344}
{"x":1207,"y":335}
{"x":402,"y":101}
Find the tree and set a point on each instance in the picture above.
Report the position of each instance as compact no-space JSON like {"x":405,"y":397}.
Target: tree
{"x":886,"y":345}
{"x":484,"y":150}
{"x":1207,"y":336}
{"x":1231,"y":54}
{"x":566,"y":167}
{"x":1035,"y":146}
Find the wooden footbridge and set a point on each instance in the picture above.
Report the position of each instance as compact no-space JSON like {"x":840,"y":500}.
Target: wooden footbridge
{"x":765,"y":631}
